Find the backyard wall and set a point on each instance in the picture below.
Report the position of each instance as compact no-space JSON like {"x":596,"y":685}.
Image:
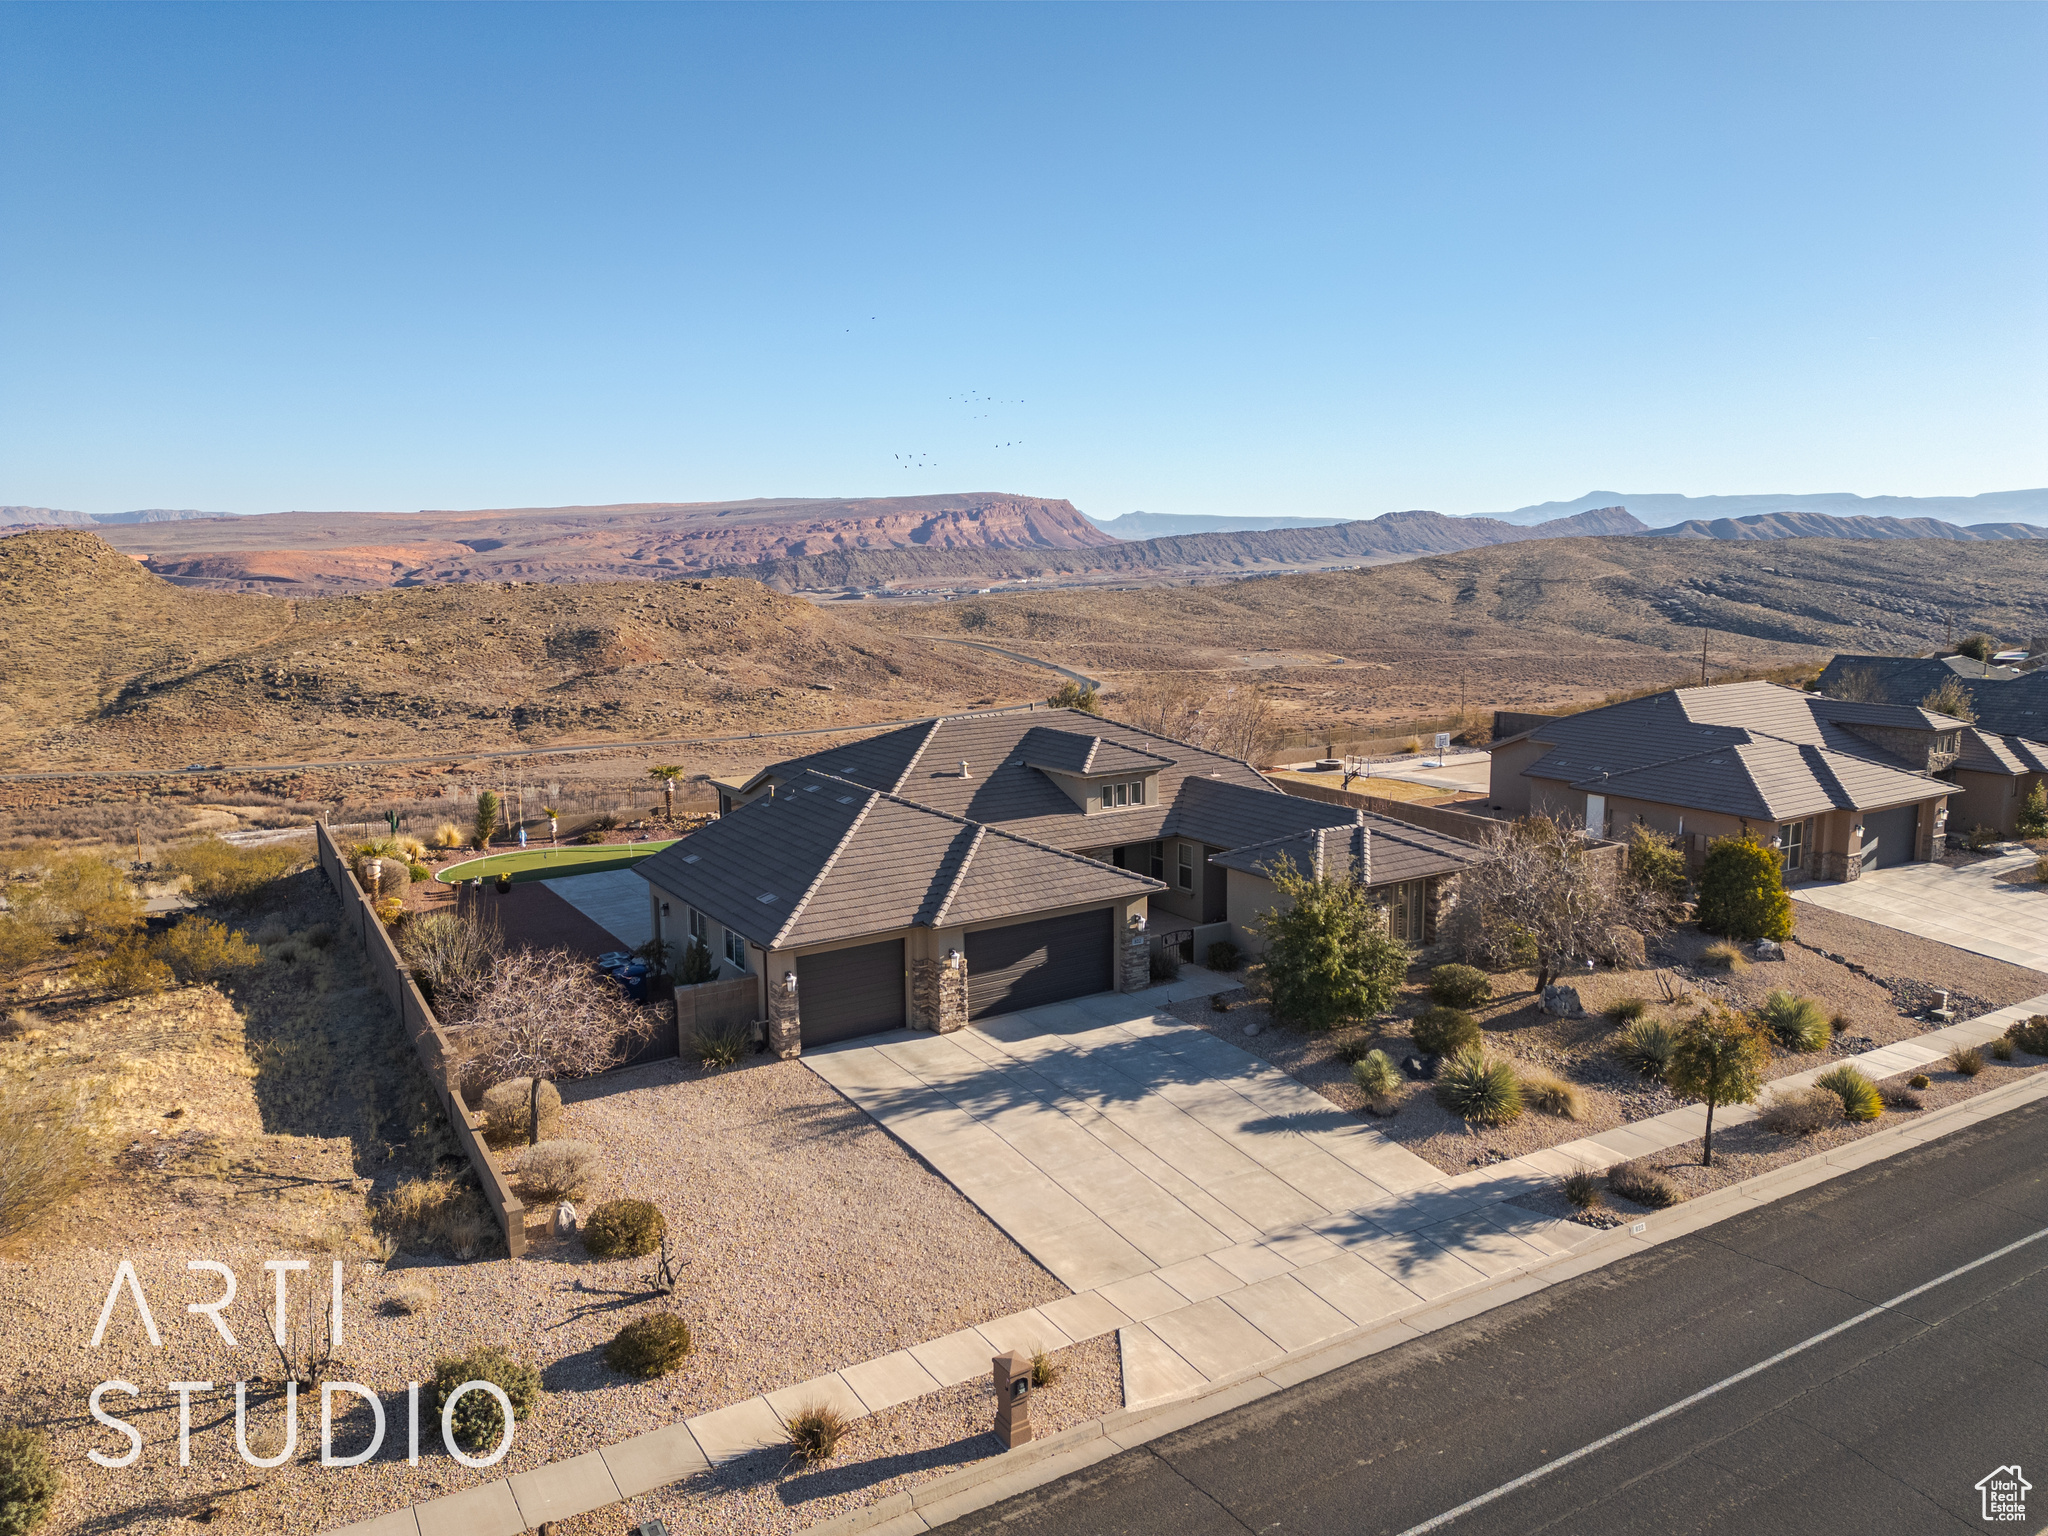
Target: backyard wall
{"x":428,"y":1039}
{"x":731,"y":1003}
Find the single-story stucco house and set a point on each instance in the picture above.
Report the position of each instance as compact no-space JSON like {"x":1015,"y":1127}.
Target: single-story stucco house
{"x":2003,"y":752}
{"x":980,"y":864}
{"x":1839,"y":787}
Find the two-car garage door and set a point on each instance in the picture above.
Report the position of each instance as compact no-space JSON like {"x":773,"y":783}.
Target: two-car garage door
{"x":1023,"y":965}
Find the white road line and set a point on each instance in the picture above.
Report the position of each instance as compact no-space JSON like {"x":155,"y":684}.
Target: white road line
{"x":1466,"y":1508}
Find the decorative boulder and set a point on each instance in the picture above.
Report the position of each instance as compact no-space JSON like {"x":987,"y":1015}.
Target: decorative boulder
{"x":1561,"y":1002}
{"x":565,"y":1220}
{"x":1769,"y":949}
{"x":1251,"y":1026}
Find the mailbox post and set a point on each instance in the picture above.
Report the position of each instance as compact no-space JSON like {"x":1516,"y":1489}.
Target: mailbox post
{"x":1013,"y":1399}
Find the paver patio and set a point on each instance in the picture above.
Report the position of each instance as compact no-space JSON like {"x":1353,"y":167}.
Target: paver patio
{"x":1968,"y":908}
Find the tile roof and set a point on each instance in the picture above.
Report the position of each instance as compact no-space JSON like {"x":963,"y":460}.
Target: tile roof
{"x":1989,"y":752}
{"x":1769,"y":780}
{"x":1384,"y":850}
{"x":1076,"y":752}
{"x":826,"y":858}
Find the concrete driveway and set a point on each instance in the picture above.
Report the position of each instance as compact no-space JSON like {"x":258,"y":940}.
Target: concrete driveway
{"x":1967,"y":907}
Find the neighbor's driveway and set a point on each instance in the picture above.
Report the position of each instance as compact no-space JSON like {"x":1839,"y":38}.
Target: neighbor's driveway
{"x":1967,"y":908}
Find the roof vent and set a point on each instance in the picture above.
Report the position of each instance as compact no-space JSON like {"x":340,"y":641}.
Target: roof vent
{"x":690,"y":858}
{"x":810,"y":789}
{"x":765,"y":896}
{"x":963,"y":769}
{"x":846,"y":799}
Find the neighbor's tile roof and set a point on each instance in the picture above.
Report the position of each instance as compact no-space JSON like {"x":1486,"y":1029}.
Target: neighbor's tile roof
{"x":1769,"y":780}
{"x":1988,"y":752}
{"x":825,"y":859}
{"x":1386,"y":851}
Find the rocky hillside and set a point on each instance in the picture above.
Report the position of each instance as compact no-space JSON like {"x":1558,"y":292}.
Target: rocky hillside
{"x":1822,"y":525}
{"x":109,"y":665}
{"x":319,"y":552}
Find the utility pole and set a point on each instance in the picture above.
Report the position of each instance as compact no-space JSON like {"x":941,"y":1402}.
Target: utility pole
{"x":1703,"y":655}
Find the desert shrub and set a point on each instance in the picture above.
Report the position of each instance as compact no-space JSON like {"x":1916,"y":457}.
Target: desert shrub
{"x":814,"y":1430}
{"x":1073,"y":695}
{"x":435,"y":1213}
{"x":1978,"y":647}
{"x":1444,"y":1031}
{"x":419,"y":871}
{"x":390,"y":911}
{"x":1375,"y":1075}
{"x":1636,"y":1181}
{"x":447,"y":835}
{"x":591,"y":839}
{"x":489,"y":811}
{"x":720,"y":1045}
{"x":1839,"y":1024}
{"x":1224,"y":956}
{"x":1329,"y":957}
{"x":448,"y":952}
{"x":1919,"y":1080}
{"x":199,"y":949}
{"x":1646,"y":1046}
{"x":2033,"y":817}
{"x":556,"y":1170}
{"x":1549,"y":1095}
{"x":411,"y":1298}
{"x":2030,"y":1035}
{"x":1656,"y":864}
{"x":85,"y":898}
{"x":1480,"y":1088}
{"x":1165,"y":963}
{"x":1726,"y":956}
{"x":1582,"y":1188}
{"x":1629,"y":1009}
{"x":1046,"y":1369}
{"x":1860,"y":1098}
{"x":22,"y":943}
{"x":1796,"y":1023}
{"x":1354,"y":1050}
{"x":2000,"y":1049}
{"x":1719,"y":1059}
{"x":697,"y":964}
{"x":479,"y":1422}
{"x":1800,"y":1112}
{"x":649,"y":1346}
{"x":129,"y":969}
{"x":1980,"y":837}
{"x":1966,"y":1060}
{"x":320,"y":935}
{"x":234,"y":877}
{"x":29,"y":1479}
{"x":624,"y":1229}
{"x":1742,"y":891}
{"x":1460,"y":986}
{"x":508,"y":1112}
{"x":608,"y":820}
{"x":1899,"y":1096}
{"x":45,"y":1151}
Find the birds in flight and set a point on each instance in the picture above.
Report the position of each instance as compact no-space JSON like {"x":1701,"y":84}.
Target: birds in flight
{"x":920,"y":460}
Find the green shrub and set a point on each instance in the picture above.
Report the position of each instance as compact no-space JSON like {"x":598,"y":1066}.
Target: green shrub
{"x":1073,"y":695}
{"x":199,"y":949}
{"x":1353,"y":1051}
{"x":1582,"y":1188}
{"x":1966,"y":1061}
{"x":22,"y":943}
{"x":1742,"y":891}
{"x":1636,"y":1181}
{"x":2031,"y":1035}
{"x":234,"y":877}
{"x":1978,"y":647}
{"x":488,"y":811}
{"x":1646,"y":1045}
{"x":697,"y":964}
{"x":720,"y":1045}
{"x":624,"y":1229}
{"x":649,"y":1346}
{"x":1860,"y":1099}
{"x":1920,"y":1080}
{"x":1629,"y":1009}
{"x":29,"y":1480}
{"x":419,"y":871}
{"x":814,"y":1430}
{"x":129,"y":969}
{"x":591,"y":838}
{"x":479,"y":1422}
{"x":1460,"y":986}
{"x":1796,"y":1023}
{"x":1224,"y":956}
{"x":1479,"y":1088}
{"x":2001,"y":1049}
{"x":1329,"y":957}
{"x":1375,"y":1075}
{"x":1549,"y":1095}
{"x":2033,"y":817}
{"x":1442,"y":1031}
{"x":1656,"y":863}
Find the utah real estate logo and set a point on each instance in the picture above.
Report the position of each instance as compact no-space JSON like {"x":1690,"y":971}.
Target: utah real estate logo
{"x":2005,"y":1494}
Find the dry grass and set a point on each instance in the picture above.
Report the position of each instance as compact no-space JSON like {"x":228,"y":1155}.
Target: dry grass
{"x":557,"y":1170}
{"x":45,"y":1151}
{"x":1800,"y":1112}
{"x":1725,"y":956}
{"x":814,"y":1433}
{"x":436,"y":1213}
{"x":1549,"y":1095}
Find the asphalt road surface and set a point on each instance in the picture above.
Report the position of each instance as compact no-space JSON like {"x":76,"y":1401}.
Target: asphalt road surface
{"x":1532,"y":1418}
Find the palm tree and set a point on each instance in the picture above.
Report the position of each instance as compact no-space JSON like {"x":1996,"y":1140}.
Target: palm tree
{"x":554,"y":823}
{"x":668,"y":773}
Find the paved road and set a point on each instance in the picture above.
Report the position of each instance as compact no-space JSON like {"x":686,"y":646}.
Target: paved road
{"x":1884,"y":1427}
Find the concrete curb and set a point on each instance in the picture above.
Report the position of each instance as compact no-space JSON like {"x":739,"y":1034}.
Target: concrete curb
{"x":932,"y":1504}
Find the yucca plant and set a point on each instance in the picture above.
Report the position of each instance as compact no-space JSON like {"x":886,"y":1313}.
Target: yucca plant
{"x":814,"y":1433}
{"x":1480,"y":1088}
{"x":1860,"y":1099}
{"x":1582,"y":1188}
{"x":1796,"y":1023}
{"x":1375,"y":1075}
{"x":1646,"y":1045}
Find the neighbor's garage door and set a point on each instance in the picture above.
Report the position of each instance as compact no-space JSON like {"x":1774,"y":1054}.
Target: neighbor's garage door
{"x":1027,"y":964}
{"x":848,"y":992}
{"x":1888,"y":836}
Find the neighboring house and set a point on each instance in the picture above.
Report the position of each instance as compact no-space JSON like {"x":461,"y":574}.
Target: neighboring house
{"x":2003,"y":753}
{"x":1839,"y":787}
{"x":980,"y":864}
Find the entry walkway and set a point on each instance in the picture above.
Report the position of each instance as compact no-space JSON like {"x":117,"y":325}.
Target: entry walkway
{"x":1969,"y":908}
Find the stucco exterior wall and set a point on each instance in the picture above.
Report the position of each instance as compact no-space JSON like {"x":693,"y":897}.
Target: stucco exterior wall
{"x":1506,"y":787}
{"x":1987,"y":799}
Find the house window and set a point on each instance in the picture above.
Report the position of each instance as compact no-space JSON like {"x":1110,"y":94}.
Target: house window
{"x":1138,"y":792}
{"x":1793,"y":838}
{"x":1158,"y":869}
{"x":736,"y":948}
{"x":1405,"y":910}
{"x":697,"y":928}
{"x":1187,"y":866}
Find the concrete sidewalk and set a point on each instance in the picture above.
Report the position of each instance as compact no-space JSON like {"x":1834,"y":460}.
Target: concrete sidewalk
{"x":1968,"y":908}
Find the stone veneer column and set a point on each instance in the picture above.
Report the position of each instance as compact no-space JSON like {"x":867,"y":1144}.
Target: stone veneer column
{"x":785,"y":1024}
{"x":1135,"y":973}
{"x":938,"y":995}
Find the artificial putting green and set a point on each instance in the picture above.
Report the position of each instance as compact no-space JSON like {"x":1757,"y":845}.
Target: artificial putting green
{"x":550,"y":863}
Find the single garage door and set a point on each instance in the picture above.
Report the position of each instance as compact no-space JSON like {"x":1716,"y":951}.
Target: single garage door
{"x":1026,"y":964}
{"x":1888,"y":836}
{"x":846,"y":992}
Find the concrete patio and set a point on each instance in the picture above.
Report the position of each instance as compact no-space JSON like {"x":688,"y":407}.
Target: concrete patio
{"x":1968,"y":908}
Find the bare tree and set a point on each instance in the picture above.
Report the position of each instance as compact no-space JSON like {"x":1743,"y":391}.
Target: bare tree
{"x":540,"y":1014}
{"x":1540,"y":901}
{"x":1238,"y":722}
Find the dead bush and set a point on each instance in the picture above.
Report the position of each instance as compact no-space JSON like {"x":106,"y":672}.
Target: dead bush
{"x":409,"y":1298}
{"x":436,"y":1213}
{"x":45,"y":1151}
{"x":557,"y":1170}
{"x":1636,"y":1181}
{"x":508,"y":1112}
{"x":1801,"y":1112}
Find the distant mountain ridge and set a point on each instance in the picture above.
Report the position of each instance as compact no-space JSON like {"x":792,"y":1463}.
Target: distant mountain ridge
{"x":1662,"y":510}
{"x":52,"y":517}
{"x":1820,"y":525}
{"x":1165,"y":525}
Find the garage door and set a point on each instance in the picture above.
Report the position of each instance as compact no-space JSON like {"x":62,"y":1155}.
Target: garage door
{"x":1888,"y":836}
{"x":848,"y":992}
{"x":1026,"y":964}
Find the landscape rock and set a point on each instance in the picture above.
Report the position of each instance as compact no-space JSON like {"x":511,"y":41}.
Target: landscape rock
{"x":1561,"y":1002}
{"x":565,"y":1223}
{"x":1768,"y":949}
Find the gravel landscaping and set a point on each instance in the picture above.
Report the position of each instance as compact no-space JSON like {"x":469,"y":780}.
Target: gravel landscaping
{"x":1879,"y":988}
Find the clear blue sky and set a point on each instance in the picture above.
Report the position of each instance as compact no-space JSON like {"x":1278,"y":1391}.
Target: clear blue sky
{"x":1328,"y":260}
